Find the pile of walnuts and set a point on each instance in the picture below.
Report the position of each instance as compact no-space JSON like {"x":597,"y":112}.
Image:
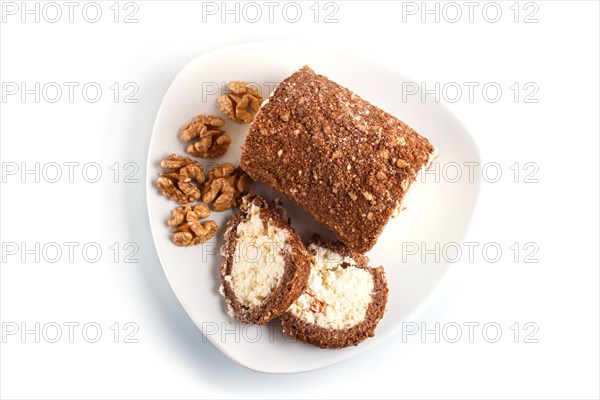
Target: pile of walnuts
{"x":206,"y":133}
{"x":184,"y":180}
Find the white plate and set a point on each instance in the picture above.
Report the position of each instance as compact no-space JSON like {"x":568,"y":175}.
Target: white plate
{"x":437,"y":212}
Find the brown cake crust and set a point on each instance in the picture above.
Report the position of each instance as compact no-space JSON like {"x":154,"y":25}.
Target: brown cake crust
{"x":328,"y":338}
{"x":295,"y":275}
{"x":345,"y":161}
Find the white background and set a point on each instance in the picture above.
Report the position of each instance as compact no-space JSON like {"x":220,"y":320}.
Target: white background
{"x":559,"y":133}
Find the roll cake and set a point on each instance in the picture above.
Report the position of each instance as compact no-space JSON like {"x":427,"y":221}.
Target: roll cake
{"x":346,"y":162}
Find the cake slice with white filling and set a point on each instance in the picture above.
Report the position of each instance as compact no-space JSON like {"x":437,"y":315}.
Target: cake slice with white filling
{"x":343,"y":301}
{"x":264,"y":266}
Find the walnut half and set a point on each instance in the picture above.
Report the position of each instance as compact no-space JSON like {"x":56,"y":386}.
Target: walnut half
{"x":225,"y":186}
{"x":235,"y":105}
{"x":189,"y":230}
{"x":176,"y":183}
{"x":212,"y":141}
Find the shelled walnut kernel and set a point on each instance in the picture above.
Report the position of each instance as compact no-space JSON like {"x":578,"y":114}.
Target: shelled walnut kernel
{"x":235,"y":105}
{"x":224,"y":187}
{"x":176,"y":183}
{"x":189,"y":229}
{"x":212,"y":141}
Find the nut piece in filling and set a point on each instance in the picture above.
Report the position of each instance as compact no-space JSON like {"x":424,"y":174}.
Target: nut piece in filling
{"x":343,"y":302}
{"x":264,"y":265}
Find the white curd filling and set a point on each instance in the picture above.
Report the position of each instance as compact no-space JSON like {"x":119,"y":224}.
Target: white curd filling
{"x":258,"y":261}
{"x":336,"y":297}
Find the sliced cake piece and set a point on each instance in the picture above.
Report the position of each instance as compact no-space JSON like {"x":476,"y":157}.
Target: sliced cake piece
{"x":346,"y":162}
{"x":264,"y":265}
{"x":343,"y":302}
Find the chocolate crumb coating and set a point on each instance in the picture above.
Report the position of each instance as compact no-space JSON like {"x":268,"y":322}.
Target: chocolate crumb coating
{"x":346,"y":162}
